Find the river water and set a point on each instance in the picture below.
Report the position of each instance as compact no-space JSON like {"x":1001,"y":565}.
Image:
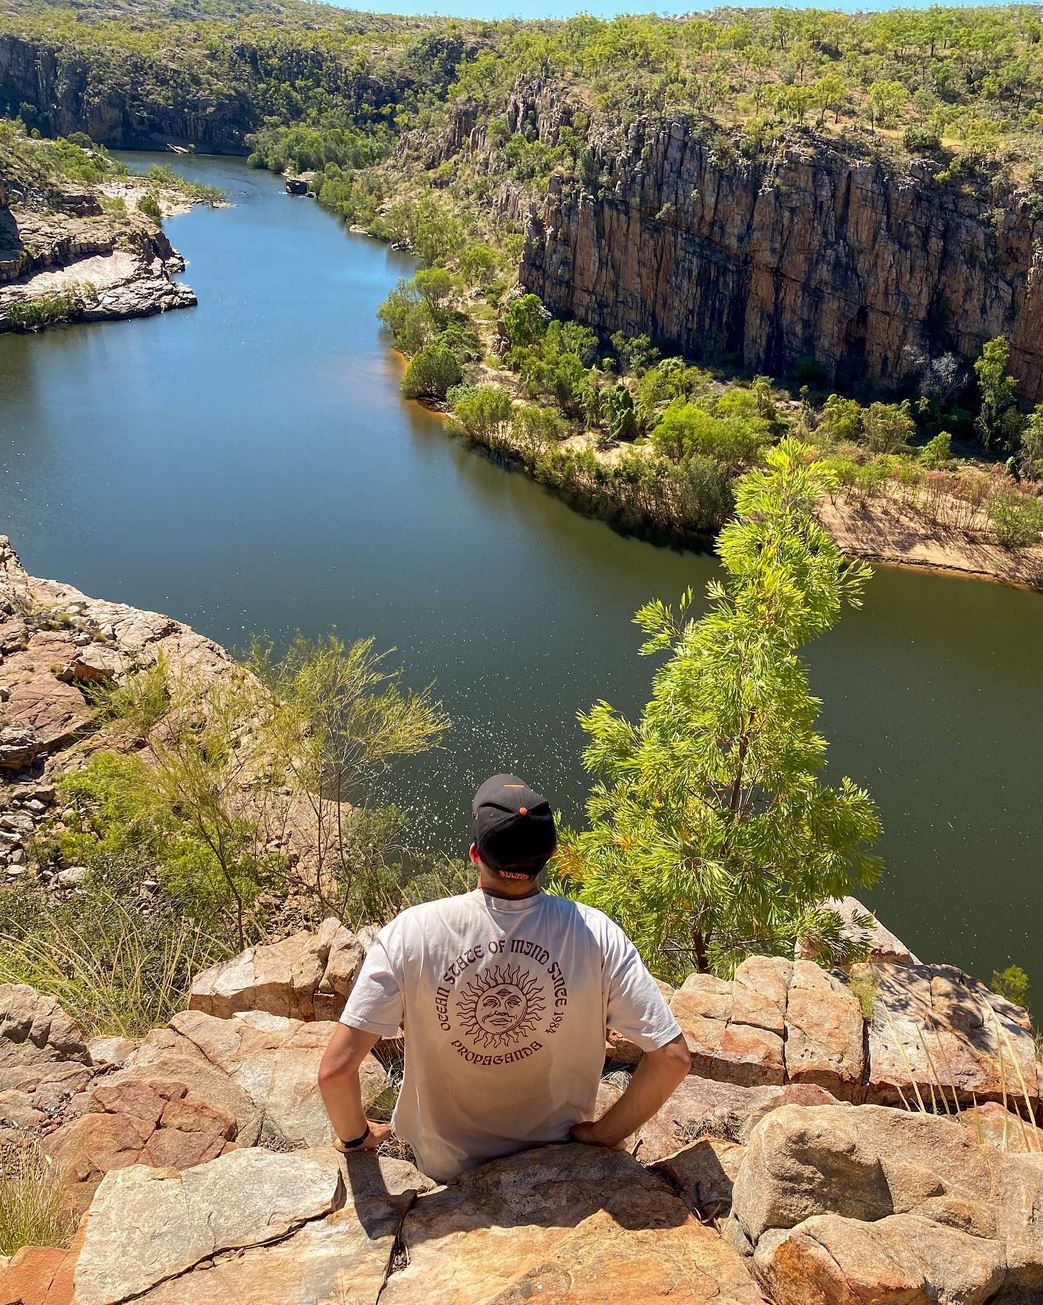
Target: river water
{"x":248,"y":465}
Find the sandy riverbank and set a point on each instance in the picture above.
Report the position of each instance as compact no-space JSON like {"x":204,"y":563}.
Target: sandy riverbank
{"x":891,"y":532}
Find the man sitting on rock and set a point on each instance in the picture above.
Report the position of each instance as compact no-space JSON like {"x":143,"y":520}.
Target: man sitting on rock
{"x":504,"y":995}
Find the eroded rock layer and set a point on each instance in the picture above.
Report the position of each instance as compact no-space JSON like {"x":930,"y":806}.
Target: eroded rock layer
{"x":808,"y":253}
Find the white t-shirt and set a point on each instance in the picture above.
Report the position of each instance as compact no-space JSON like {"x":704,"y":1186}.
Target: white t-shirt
{"x":504,"y":1006}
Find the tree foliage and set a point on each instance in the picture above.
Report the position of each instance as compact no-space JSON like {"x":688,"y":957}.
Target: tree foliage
{"x":712,"y":835}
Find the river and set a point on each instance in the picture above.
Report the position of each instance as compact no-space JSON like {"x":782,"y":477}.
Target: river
{"x":248,"y":465}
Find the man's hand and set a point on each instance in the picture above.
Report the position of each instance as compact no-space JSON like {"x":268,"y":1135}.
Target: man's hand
{"x":588,"y":1133}
{"x":378,"y":1134}
{"x":656,"y":1076}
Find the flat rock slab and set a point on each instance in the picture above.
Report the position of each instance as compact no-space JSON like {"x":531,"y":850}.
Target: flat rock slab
{"x":147,"y":1226}
{"x":151,"y":1122}
{"x":934,"y":1024}
{"x":341,"y":1259}
{"x":38,"y":1275}
{"x":565,"y":1225}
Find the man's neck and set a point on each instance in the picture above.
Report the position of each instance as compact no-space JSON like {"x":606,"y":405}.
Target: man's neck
{"x":510,"y":890}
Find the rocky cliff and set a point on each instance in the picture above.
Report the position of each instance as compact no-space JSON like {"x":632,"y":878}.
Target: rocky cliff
{"x":873,"y":271}
{"x":109,"y":266}
{"x":141,"y":101}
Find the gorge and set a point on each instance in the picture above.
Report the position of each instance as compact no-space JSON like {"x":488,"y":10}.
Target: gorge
{"x":328,"y":501}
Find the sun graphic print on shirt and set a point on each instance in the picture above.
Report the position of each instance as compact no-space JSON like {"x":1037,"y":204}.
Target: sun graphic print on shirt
{"x":501,"y":1007}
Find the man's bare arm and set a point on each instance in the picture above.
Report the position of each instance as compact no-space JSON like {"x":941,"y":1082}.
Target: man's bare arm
{"x":340,"y":1088}
{"x":656,"y":1077}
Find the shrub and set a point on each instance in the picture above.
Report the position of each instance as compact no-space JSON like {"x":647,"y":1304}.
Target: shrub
{"x":44,"y":310}
{"x":114,"y":969}
{"x":32,"y":1212}
{"x":534,"y":430}
{"x":525,"y":321}
{"x":936,"y":454}
{"x":482,"y":410}
{"x":1017,"y":520}
{"x":432,"y":373}
{"x":1013,"y":984}
{"x":407,"y":317}
{"x":922,"y":141}
{"x":887,"y":427}
{"x":141,"y":700}
{"x":685,"y":428}
{"x":149,"y":205}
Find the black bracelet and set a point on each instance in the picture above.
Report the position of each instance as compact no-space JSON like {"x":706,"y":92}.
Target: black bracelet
{"x":350,"y":1146}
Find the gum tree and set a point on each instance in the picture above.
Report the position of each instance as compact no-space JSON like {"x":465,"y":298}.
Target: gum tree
{"x":712,"y":834}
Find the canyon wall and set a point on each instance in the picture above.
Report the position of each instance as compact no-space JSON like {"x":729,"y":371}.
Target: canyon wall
{"x":140,"y":102}
{"x":895,"y":277}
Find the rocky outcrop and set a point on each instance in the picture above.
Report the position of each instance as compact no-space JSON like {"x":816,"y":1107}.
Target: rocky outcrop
{"x":43,"y":1059}
{"x":201,"y":1158}
{"x":110,"y":267}
{"x":54,"y":642}
{"x":146,"y":101}
{"x":875,"y":1205}
{"x":307,"y":976}
{"x":933,"y":1031}
{"x":822,"y":252}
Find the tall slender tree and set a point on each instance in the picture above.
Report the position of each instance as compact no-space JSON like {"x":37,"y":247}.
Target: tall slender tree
{"x":712,"y":835}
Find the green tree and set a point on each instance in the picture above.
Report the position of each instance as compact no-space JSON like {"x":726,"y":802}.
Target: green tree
{"x":1012,"y":983}
{"x":712,"y":835}
{"x":887,"y":427}
{"x":482,"y":410}
{"x":936,"y":454}
{"x":525,"y":321}
{"x":434,"y":285}
{"x":432,"y":373}
{"x":998,"y":422}
{"x":886,"y":99}
{"x":1032,"y":442}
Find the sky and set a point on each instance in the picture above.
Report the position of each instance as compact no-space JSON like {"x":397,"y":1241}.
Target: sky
{"x":493,"y":9}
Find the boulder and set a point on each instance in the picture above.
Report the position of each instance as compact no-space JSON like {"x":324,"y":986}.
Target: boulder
{"x":934,"y":1025}
{"x":864,"y":1163}
{"x":823,"y":1032}
{"x":703,"y":1107}
{"x":565,"y":1224}
{"x":340,"y":1258}
{"x":19,"y":745}
{"x":43,"y":1058}
{"x":276,"y":1063}
{"x":704,"y":1174}
{"x":733,"y":1031}
{"x":37,"y":1275}
{"x":884,"y":946}
{"x":900,"y":1260}
{"x":96,"y":663}
{"x":307,"y":976}
{"x":1019,"y":1204}
{"x":993,"y":1125}
{"x":146,"y":1226}
{"x":151,"y":1122}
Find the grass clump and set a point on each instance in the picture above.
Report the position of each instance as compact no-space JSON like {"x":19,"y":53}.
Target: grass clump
{"x":865,"y":985}
{"x":142,"y":700}
{"x":45,"y":310}
{"x":31,"y":1209}
{"x":114,"y":969}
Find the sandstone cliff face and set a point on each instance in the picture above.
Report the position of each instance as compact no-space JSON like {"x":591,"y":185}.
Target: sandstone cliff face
{"x":810,"y":253}
{"x":141,"y":104}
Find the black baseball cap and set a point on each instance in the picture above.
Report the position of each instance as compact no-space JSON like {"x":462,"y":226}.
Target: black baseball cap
{"x":513,"y":826}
